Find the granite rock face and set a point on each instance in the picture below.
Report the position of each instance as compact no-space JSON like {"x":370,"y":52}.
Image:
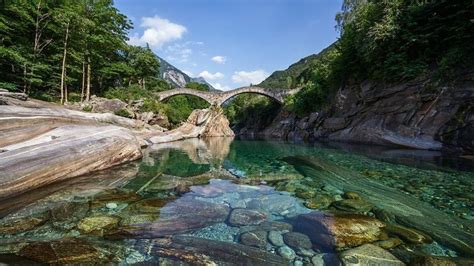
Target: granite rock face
{"x":37,"y":156}
{"x":201,"y":123}
{"x":415,"y":114}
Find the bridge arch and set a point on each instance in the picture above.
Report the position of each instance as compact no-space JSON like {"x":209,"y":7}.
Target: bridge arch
{"x":270,"y":93}
{"x":218,"y":98}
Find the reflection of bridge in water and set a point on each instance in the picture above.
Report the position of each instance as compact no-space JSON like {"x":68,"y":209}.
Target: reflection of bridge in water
{"x":218,"y":98}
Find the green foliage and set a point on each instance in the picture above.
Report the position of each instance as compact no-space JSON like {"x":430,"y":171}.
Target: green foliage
{"x":398,"y":40}
{"x":123,"y":112}
{"x":87,"y":108}
{"x":130,"y":93}
{"x":243,"y":109}
{"x":33,"y":45}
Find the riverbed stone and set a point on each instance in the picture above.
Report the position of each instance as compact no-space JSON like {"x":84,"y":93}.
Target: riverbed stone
{"x":152,"y":205}
{"x":369,"y":254}
{"x":255,"y":239}
{"x":332,"y":189}
{"x":351,"y":195}
{"x":69,"y":211}
{"x":65,"y":251}
{"x":318,"y":202}
{"x":276,"y":238}
{"x":305,"y":252}
{"x":318,"y":260}
{"x":408,"y":234}
{"x":434,"y":261}
{"x":286,"y":253}
{"x":339,"y":230}
{"x":97,"y":225}
{"x":139,"y":218}
{"x":14,"y":225}
{"x":353,"y":205}
{"x":388,"y":243}
{"x":297,"y":240}
{"x":276,"y":225}
{"x":195,"y":250}
{"x":305,"y":194}
{"x":242,"y":217}
{"x":180,"y":216}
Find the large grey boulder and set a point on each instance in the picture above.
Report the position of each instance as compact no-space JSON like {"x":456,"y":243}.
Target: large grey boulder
{"x":62,"y":153}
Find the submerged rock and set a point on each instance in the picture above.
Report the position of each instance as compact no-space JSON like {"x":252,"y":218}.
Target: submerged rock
{"x":389,"y":243}
{"x":66,"y":251}
{"x":286,"y":253}
{"x":240,"y":217}
{"x":351,"y":195}
{"x":353,"y":205}
{"x":408,"y":234}
{"x":97,"y":225}
{"x":13,"y":225}
{"x":179,"y":216}
{"x":276,"y":238}
{"x":339,"y":230}
{"x":254,"y":239}
{"x":318,"y":202}
{"x":202,"y":251}
{"x":152,"y":205}
{"x":369,"y":254}
{"x":297,"y":240}
{"x":69,"y":211}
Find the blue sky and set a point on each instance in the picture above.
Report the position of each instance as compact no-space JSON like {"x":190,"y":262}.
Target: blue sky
{"x":232,"y":43}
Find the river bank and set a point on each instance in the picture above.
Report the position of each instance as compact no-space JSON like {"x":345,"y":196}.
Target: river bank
{"x":416,"y":114}
{"x":42,"y":143}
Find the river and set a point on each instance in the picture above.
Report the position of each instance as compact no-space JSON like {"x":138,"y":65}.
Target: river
{"x":248,"y":202}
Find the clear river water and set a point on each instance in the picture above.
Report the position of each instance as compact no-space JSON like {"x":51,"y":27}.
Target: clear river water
{"x":251,"y":202}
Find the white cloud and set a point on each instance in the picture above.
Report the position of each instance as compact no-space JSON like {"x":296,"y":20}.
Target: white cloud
{"x":211,"y":76}
{"x":219,"y":59}
{"x":220,"y":87}
{"x":249,"y":77}
{"x":158,"y":31}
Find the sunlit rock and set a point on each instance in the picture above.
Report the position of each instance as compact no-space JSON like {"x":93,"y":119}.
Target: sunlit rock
{"x":340,"y":230}
{"x":240,"y":217}
{"x":369,"y":254}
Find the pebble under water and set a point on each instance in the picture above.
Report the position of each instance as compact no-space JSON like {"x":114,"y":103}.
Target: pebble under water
{"x":224,"y":201}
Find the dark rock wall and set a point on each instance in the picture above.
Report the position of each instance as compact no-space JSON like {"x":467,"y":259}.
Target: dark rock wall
{"x":415,"y":114}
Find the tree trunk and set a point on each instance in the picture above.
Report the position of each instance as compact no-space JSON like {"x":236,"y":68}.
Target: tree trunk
{"x":63,"y":68}
{"x":88,"y":87}
{"x":24,"y":78}
{"x":83,"y":80}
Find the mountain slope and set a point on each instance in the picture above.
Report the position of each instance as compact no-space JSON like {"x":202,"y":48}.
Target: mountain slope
{"x":283,"y":79}
{"x":176,"y":77}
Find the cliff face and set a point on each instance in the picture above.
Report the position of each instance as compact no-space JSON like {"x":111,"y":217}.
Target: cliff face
{"x":415,"y":114}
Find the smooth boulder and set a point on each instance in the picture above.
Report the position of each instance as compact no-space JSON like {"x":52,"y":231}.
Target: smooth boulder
{"x":339,"y":230}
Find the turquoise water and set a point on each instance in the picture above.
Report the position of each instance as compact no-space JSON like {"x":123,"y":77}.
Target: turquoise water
{"x":230,"y":201}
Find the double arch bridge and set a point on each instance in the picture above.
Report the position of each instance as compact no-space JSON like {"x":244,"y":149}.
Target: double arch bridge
{"x":219,"y":98}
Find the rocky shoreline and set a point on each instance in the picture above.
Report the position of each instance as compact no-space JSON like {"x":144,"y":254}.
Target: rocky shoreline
{"x":42,"y":143}
{"x":416,"y":115}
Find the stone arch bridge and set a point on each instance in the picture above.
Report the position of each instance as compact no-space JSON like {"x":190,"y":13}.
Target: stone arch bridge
{"x":218,"y":98}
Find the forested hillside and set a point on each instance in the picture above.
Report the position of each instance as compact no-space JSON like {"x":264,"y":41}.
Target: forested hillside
{"x":385,"y":41}
{"x":69,"y":50}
